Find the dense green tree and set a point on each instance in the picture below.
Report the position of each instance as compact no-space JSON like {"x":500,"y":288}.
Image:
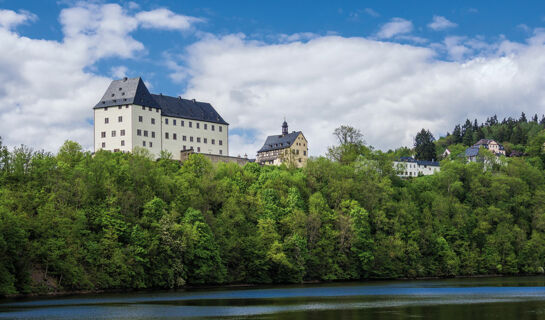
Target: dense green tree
{"x":424,"y":146}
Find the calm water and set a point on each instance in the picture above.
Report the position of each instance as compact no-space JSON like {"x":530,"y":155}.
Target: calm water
{"x":491,"y":298}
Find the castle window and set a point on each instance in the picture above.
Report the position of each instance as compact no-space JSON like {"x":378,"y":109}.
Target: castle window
{"x":143,"y":143}
{"x":138,"y":132}
{"x":213,"y":141}
{"x":166,"y":120}
{"x":198,"y":149}
{"x":198,"y":139}
{"x":153,"y":134}
{"x":149,"y":110}
{"x":150,"y":144}
{"x":184,"y":147}
{"x":103,"y":134}
{"x":198,"y":125}
{"x":190,"y":124}
{"x":120,"y":119}
{"x":140,"y":119}
{"x":104,"y":145}
{"x":174,"y":136}
{"x":166,"y":135}
{"x":220,"y":142}
{"x":213,"y":127}
{"x":184,"y":138}
{"x":204,"y":140}
{"x":145,"y":133}
{"x":182,"y":122}
{"x":299,"y":159}
{"x":113,"y":133}
{"x":190,"y":139}
{"x":106,"y":120}
{"x":152,"y":120}
{"x":205,"y":126}
{"x":221,"y":151}
{"x":304,"y":153}
{"x":144,"y":108}
{"x":220,"y":128}
{"x":122,"y":142}
{"x":173,"y":122}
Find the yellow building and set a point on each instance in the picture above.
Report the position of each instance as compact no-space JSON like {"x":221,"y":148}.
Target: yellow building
{"x":289,"y":148}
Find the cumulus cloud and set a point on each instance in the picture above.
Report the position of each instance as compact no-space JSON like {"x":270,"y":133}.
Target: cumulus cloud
{"x":165,"y":19}
{"x":47,"y":90}
{"x":388,"y":90}
{"x":395,"y":27}
{"x":441,"y":23}
{"x":10,"y":19}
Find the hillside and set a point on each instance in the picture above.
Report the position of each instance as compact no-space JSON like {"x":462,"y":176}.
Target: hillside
{"x":75,"y":221}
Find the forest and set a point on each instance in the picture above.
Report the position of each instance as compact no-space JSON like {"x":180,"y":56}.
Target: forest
{"x":80,"y":221}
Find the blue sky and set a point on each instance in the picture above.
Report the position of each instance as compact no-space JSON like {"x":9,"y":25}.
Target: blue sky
{"x":386,"y":67}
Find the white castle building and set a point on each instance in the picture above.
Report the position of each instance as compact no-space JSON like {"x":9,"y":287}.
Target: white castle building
{"x":128,"y":116}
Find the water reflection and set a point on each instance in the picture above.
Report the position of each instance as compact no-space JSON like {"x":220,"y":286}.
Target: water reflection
{"x":492,"y":298}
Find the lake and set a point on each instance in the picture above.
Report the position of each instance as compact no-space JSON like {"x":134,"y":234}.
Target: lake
{"x":477,"y":298}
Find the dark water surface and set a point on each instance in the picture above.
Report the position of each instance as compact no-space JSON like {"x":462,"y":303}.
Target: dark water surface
{"x":482,"y":298}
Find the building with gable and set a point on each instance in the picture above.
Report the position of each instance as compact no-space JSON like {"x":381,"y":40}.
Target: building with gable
{"x":288,"y":148}
{"x":409,"y":167}
{"x":129,"y":116}
{"x":472,"y":153}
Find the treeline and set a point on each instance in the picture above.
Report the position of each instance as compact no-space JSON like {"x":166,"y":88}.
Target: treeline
{"x":112,"y":220}
{"x":514,"y":134}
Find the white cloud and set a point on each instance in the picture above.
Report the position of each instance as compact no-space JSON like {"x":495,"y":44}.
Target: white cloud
{"x":47,"y":90}
{"x":441,"y":23}
{"x":389,"y":91}
{"x":10,"y":19}
{"x":395,"y":27}
{"x":165,"y":19}
{"x":371,"y":12}
{"x":119,"y":72}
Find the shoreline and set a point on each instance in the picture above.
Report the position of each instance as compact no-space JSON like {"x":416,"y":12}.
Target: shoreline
{"x":246,"y":285}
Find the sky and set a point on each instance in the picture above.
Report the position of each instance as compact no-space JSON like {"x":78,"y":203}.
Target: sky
{"x":388,"y":68}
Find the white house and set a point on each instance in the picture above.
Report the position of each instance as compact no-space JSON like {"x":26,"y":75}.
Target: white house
{"x":410,"y":167}
{"x":472,"y":153}
{"x":128,"y":116}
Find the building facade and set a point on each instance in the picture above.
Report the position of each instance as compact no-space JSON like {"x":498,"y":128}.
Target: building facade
{"x":409,"y":167}
{"x":472,"y":153}
{"x":288,"y":148}
{"x":128,"y":116}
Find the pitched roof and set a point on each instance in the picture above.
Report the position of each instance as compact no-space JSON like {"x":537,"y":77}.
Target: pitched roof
{"x":483,"y":142}
{"x":419,"y":162}
{"x":134,"y":91}
{"x":188,"y":109}
{"x":472,"y":151}
{"x":127,"y":91}
{"x":277,"y":142}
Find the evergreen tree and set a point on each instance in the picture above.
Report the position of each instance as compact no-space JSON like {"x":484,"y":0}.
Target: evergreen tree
{"x":424,"y":145}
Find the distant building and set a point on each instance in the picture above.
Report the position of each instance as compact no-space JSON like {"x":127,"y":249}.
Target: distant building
{"x":215,"y":158}
{"x":472,"y":153}
{"x":409,"y":167}
{"x":128,"y":116}
{"x":288,"y":148}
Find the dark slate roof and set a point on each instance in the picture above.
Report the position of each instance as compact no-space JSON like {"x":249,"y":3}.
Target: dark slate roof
{"x":419,"y":162}
{"x":127,"y":91}
{"x":277,"y":142}
{"x":472,"y":151}
{"x":134,"y":91}
{"x":188,"y":109}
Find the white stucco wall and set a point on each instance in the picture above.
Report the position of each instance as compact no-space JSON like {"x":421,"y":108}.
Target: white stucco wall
{"x":140,"y":131}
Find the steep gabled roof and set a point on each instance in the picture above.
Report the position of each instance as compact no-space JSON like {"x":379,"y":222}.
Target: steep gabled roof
{"x":134,"y":91}
{"x":188,"y":109}
{"x":127,"y":91}
{"x":277,"y":142}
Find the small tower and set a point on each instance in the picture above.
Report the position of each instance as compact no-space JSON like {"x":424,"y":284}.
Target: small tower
{"x":284,"y":128}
